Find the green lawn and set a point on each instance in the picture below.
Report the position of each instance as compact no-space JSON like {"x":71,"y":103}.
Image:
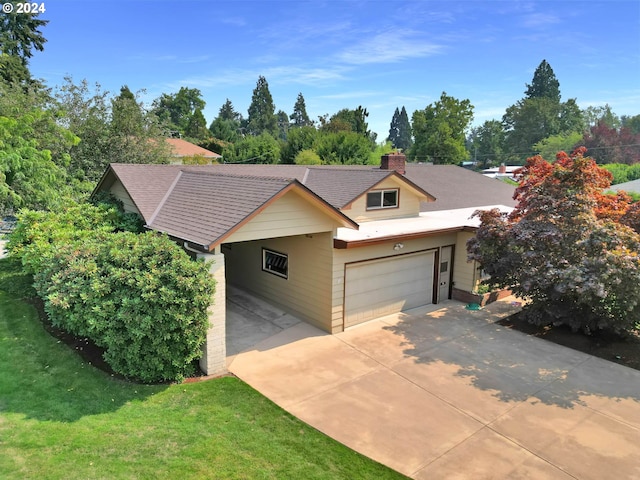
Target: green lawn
{"x":61,"y":418}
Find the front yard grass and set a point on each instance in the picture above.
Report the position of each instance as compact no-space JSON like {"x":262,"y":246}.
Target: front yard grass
{"x":61,"y":418}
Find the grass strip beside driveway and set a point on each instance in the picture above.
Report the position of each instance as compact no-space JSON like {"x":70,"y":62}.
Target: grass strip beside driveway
{"x":62,"y":418}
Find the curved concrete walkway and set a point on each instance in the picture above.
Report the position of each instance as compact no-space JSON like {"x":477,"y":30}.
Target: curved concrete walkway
{"x":442,"y":392}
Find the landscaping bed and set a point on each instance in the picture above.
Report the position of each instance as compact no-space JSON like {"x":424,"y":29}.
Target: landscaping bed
{"x":603,"y":344}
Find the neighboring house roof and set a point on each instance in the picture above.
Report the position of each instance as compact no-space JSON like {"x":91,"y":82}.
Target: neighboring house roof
{"x":632,"y":186}
{"x":182,"y":148}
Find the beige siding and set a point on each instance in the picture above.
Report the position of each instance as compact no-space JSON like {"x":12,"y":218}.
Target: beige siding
{"x":343,"y":256}
{"x":408,"y":204}
{"x":289,"y":215}
{"x":118,"y":191}
{"x":463,"y":271}
{"x":307,"y":291}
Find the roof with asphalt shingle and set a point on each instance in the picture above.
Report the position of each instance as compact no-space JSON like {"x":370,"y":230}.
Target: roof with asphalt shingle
{"x":204,"y":207}
{"x":203,"y":203}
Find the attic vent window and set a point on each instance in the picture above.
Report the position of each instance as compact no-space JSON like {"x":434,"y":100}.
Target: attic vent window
{"x":275,"y":263}
{"x":382,"y":199}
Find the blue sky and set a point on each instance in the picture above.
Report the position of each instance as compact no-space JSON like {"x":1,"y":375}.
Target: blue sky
{"x":341,"y":54}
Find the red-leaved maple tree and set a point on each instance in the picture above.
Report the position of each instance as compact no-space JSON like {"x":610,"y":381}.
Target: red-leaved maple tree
{"x":568,"y":247}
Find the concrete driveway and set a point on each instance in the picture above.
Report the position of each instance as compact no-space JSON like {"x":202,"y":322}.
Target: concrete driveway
{"x":441,"y":392}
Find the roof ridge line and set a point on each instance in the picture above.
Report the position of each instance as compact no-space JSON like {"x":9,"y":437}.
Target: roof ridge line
{"x":240,"y":175}
{"x":165,"y":197}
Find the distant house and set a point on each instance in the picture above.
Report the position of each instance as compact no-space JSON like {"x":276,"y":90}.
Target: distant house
{"x":181,"y":149}
{"x":335,"y":246}
{"x":503,"y":171}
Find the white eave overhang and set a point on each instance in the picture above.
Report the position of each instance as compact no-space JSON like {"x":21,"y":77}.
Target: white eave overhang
{"x":401,"y":229}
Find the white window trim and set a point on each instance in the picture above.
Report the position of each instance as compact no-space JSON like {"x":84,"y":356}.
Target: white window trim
{"x":265,"y":266}
{"x":382,"y":192}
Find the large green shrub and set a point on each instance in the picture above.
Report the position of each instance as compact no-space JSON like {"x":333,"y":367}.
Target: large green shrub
{"x":38,"y":233}
{"x":139,"y":296}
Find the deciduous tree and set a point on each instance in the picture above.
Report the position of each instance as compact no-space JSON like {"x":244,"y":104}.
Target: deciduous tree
{"x":175,"y":110}
{"x":439,"y":131}
{"x":561,"y":248}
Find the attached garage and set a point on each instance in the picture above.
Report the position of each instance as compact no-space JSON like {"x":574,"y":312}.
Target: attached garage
{"x":389,"y":285}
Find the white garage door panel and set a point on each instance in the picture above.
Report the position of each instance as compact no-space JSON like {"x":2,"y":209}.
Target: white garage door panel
{"x":381,"y":287}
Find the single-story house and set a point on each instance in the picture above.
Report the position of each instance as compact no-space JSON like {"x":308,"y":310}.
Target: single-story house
{"x":334,"y":245}
{"x":181,"y":148}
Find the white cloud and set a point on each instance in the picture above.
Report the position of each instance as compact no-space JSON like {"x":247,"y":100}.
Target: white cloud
{"x":389,"y":47}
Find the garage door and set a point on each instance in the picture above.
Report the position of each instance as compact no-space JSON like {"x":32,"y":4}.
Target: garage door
{"x":381,"y":287}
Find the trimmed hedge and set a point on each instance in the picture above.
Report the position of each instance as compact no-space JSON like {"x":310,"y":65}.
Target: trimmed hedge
{"x":139,"y":296}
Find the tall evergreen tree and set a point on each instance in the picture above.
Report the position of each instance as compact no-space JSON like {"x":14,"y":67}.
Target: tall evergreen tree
{"x":299,"y":117}
{"x":394,"y":131}
{"x":404,"y":141}
{"x":126,"y":114}
{"x":227,"y":112}
{"x":197,"y":126}
{"x":539,"y":115}
{"x":283,"y":125}
{"x":544,"y":84}
{"x":262,"y":116}
{"x":19,"y":35}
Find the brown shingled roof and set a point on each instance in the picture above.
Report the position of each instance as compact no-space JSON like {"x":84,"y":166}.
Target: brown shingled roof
{"x":456,"y":187}
{"x":201,"y":207}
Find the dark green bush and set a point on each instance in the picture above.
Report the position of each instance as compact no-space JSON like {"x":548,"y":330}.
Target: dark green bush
{"x":139,"y":296}
{"x":38,"y":233}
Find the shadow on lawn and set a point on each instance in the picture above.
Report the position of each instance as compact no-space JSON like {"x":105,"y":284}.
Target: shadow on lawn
{"x":510,"y":364}
{"x":40,"y":376}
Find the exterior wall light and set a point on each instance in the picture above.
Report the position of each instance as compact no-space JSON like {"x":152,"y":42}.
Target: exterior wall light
{"x":398,"y":246}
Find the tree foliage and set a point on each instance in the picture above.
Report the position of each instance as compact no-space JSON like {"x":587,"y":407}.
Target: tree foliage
{"x":299,"y":117}
{"x":612,"y":145}
{"x":301,"y":138}
{"x":124,"y":133}
{"x":487,"y":144}
{"x":175,"y":110}
{"x":140,"y":297}
{"x":563,"y":247}
{"x":34,"y":150}
{"x":262,"y":148}
{"x":20,"y":34}
{"x":262,"y":118}
{"x":343,"y":148}
{"x":539,"y":115}
{"x":544,"y":84}
{"x":400,"y":130}
{"x":439,"y":131}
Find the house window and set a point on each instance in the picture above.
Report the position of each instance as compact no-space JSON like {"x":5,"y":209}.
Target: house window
{"x":382,"y":199}
{"x":276,"y":263}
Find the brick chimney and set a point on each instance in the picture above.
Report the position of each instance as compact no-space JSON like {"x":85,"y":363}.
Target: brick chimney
{"x":394,"y":161}
{"x":502,"y":168}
